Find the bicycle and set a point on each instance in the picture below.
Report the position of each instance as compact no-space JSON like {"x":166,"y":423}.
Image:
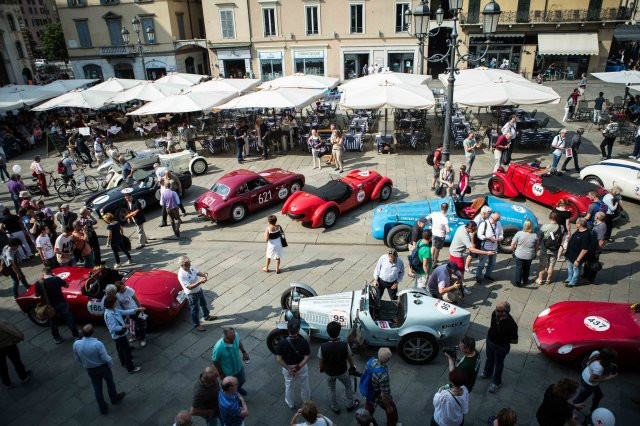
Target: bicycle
{"x":69,"y":190}
{"x":35,"y":190}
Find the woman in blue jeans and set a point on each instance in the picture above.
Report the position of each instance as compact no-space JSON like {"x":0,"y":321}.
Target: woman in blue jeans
{"x":525,"y":246}
{"x":600,"y":368}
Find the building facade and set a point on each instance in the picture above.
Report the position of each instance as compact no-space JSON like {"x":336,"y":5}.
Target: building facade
{"x":37,"y":15}
{"x":92,"y":30}
{"x":16,"y":61}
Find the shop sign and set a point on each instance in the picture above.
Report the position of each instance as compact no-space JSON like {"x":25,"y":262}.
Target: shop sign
{"x":270,"y":55}
{"x":308,"y":54}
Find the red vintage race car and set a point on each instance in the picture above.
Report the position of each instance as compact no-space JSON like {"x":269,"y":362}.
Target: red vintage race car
{"x":570,"y":331}
{"x":158,"y":291}
{"x":543,"y":188}
{"x":239,"y":192}
{"x":322,"y":206}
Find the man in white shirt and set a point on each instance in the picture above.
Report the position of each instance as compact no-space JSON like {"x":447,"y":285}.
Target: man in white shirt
{"x":440,"y":229}
{"x":559,"y":143}
{"x":484,"y":214}
{"x":39,"y":173}
{"x":45,"y":248}
{"x":388,"y":274}
{"x":64,"y":247}
{"x":490,"y":234}
{"x":191,"y":280}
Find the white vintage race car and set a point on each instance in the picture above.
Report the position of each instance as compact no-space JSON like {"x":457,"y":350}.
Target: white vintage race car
{"x":138,"y":160}
{"x":622,"y":173}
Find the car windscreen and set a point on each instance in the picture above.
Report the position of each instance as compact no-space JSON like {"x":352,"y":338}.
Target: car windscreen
{"x":220,"y":189}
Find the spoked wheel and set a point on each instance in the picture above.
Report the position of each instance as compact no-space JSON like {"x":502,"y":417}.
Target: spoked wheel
{"x":274,"y":337}
{"x":67,"y":192}
{"x":330,"y":217}
{"x":199,"y":166}
{"x":496,"y":187}
{"x":287,"y":296}
{"x":594,"y":180}
{"x":295,"y":186}
{"x":385,"y":193}
{"x":418,"y":348}
{"x":91,"y":183}
{"x":399,"y":237}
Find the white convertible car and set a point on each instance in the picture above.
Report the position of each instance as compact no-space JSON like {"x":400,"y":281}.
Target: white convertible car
{"x":608,"y":173}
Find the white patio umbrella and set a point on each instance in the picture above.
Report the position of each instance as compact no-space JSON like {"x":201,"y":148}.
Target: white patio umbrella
{"x":91,"y":99}
{"x":239,"y":85}
{"x":16,"y":98}
{"x":181,"y":78}
{"x":481,"y":75}
{"x":148,"y":91}
{"x":301,"y":81}
{"x":620,"y":77}
{"x":275,"y":98}
{"x":116,"y":85}
{"x":187,"y":102}
{"x":385,"y":76}
{"x":63,"y":86}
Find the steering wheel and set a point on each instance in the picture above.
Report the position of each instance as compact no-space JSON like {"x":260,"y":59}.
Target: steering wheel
{"x":92,"y":287}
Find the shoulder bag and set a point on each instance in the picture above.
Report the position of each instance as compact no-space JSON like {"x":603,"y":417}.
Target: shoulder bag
{"x":44,"y":311}
{"x":283,"y":240}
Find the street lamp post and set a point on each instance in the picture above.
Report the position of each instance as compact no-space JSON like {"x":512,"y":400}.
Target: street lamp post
{"x":452,"y":58}
{"x":139,"y":46}
{"x":420,"y":27}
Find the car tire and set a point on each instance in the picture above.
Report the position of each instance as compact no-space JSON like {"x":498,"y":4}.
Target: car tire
{"x":31,"y":313}
{"x":285,"y":299}
{"x":399,"y":237}
{"x":385,"y":192}
{"x":575,"y":212}
{"x":418,"y":348}
{"x":296,"y":186}
{"x":594,"y":179}
{"x":330,"y":217}
{"x":199,"y":166}
{"x":274,"y":337}
{"x":496,"y":187}
{"x":238,"y":212}
{"x":120,"y":214}
{"x":505,"y":244}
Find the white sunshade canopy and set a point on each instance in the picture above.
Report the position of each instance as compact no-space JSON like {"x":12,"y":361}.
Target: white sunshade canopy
{"x":92,"y":99}
{"x":116,"y":85}
{"x":385,"y":76}
{"x":301,"y":81}
{"x":63,"y":86}
{"x":388,"y":95}
{"x":493,"y":87}
{"x":181,"y":78}
{"x":16,"y":97}
{"x":148,"y":91}
{"x":238,"y":85}
{"x":275,"y":98}
{"x":568,"y":44}
{"x":620,"y":77}
{"x":187,"y":102}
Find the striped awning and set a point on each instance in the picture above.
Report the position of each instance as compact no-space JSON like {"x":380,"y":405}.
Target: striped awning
{"x":568,"y":44}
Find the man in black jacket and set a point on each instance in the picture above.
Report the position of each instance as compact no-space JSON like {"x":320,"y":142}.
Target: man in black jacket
{"x":136,"y":215}
{"x":502,"y":333}
{"x":293,"y":353}
{"x":334,"y":356}
{"x":53,"y":287}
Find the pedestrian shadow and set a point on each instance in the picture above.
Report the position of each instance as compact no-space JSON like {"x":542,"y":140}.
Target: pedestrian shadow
{"x":314,"y":263}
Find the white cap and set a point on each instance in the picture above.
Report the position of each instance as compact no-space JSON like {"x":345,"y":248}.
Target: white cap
{"x":563,"y":131}
{"x":485,"y":209}
{"x":603,"y":417}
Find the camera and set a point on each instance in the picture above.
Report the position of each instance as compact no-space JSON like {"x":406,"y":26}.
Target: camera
{"x":451,"y":351}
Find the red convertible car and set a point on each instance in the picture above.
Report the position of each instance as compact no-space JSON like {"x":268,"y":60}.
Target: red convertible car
{"x":242,"y":191}
{"x":322,"y":206}
{"x":543,"y":188}
{"x":158,"y":291}
{"x":570,"y":331}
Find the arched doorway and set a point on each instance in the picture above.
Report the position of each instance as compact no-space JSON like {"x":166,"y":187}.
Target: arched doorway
{"x":190,"y":65}
{"x":123,"y":70}
{"x":93,"y":71}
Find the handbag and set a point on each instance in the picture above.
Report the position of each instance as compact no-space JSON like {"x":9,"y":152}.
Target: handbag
{"x":439,"y":191}
{"x":283,"y":240}
{"x":44,"y":312}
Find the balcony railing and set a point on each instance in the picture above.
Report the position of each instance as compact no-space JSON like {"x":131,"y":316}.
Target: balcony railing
{"x":115,"y":51}
{"x":555,"y":15}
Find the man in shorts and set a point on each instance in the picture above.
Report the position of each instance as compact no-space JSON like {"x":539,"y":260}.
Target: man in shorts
{"x":439,"y":284}
{"x":463,"y":241}
{"x":548,"y":256}
{"x":440,"y":229}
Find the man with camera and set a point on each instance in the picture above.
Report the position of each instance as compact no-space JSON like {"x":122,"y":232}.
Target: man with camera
{"x":439,"y":284}
{"x":470,"y":361}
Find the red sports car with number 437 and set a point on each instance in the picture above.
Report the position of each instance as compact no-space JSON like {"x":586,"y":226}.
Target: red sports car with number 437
{"x":322,"y":206}
{"x":543,"y":188}
{"x":239,"y":192}
{"x":570,"y":331}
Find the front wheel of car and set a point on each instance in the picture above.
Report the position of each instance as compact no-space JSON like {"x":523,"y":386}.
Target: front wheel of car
{"x":287,"y":296}
{"x":121,"y":214}
{"x":594,"y":180}
{"x":31,"y":313}
{"x":496,"y":187}
{"x":295,"y":186}
{"x":385,"y":192}
{"x":199,"y":166}
{"x":274,"y":337}
{"x":505,"y":245}
{"x":418,"y":348}
{"x":399,"y":237}
{"x":330,"y":217}
{"x":238,"y":212}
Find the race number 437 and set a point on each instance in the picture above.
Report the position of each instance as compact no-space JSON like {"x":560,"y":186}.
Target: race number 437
{"x":596,"y":323}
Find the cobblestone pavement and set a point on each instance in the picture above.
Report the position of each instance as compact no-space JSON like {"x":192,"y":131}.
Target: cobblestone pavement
{"x":330,"y":261}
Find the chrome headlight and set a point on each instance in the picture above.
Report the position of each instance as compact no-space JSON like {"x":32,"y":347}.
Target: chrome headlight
{"x":565,"y":349}
{"x":544,"y":313}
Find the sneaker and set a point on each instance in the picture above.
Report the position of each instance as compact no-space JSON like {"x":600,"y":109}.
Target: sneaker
{"x":603,"y":158}
{"x":163,"y":225}
{"x":211,"y":318}
{"x":566,"y":281}
{"x":135,"y":370}
{"x":493,"y":388}
{"x":58,"y":341}
{"x":200,"y":328}
{"x":469,"y":271}
{"x":27,"y":377}
{"x":128,"y":263}
{"x":118,"y":398}
{"x":141,"y":246}
{"x":539,"y":282}
{"x":117,"y":265}
{"x":633,"y":158}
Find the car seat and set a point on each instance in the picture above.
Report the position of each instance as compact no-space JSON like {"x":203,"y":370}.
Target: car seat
{"x":471,"y":211}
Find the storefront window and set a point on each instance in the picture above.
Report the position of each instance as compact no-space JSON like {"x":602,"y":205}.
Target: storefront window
{"x":401,"y":62}
{"x":270,"y":69}
{"x":309,"y":62}
{"x":499,"y":56}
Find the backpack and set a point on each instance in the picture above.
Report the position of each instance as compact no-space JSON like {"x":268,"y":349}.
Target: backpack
{"x":553,"y":240}
{"x":366,"y":381}
{"x":430,"y":158}
{"x":414,"y":259}
{"x":598,"y":206}
{"x":62,"y":169}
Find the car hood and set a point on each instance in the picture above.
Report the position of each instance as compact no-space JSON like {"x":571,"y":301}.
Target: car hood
{"x":154,"y":283}
{"x":305,"y":202}
{"x":103,"y":198}
{"x":512,"y":213}
{"x":407,"y":213}
{"x":316,"y":311}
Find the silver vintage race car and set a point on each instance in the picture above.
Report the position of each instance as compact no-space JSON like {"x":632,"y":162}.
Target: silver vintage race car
{"x":416,"y":324}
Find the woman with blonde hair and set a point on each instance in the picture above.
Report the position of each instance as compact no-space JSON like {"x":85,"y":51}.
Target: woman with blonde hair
{"x":447,"y":178}
{"x":614,"y":208}
{"x":337,"y":149}
{"x":273,"y":235}
{"x":525,"y":246}
{"x":116,"y":239}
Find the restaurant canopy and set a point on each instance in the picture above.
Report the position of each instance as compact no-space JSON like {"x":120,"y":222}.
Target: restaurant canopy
{"x":116,"y":85}
{"x":92,"y":99}
{"x":301,"y":81}
{"x":554,"y":43}
{"x":16,"y":97}
{"x":385,"y":76}
{"x":275,"y":98}
{"x":181,"y":78}
{"x":63,"y":86}
{"x":620,"y":77}
{"x":148,"y":91}
{"x":388,"y":95}
{"x":187,"y":102}
{"x":238,"y":85}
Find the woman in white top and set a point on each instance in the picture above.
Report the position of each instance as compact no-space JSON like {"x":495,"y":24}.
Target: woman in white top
{"x":337,"y":148}
{"x":447,"y":178}
{"x":273,"y":236}
{"x":309,"y":415}
{"x":451,"y":402}
{"x":612,"y":201}
{"x":600,"y":368}
{"x":315,"y":143}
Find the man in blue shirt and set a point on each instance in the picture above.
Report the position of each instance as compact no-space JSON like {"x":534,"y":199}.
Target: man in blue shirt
{"x":94,"y":357}
{"x":233,"y":408}
{"x":119,"y":329}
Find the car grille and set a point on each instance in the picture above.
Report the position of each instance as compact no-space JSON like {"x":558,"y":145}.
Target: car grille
{"x":295,"y":216}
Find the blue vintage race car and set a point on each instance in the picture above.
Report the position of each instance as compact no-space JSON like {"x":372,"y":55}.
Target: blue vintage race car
{"x":392,"y":222}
